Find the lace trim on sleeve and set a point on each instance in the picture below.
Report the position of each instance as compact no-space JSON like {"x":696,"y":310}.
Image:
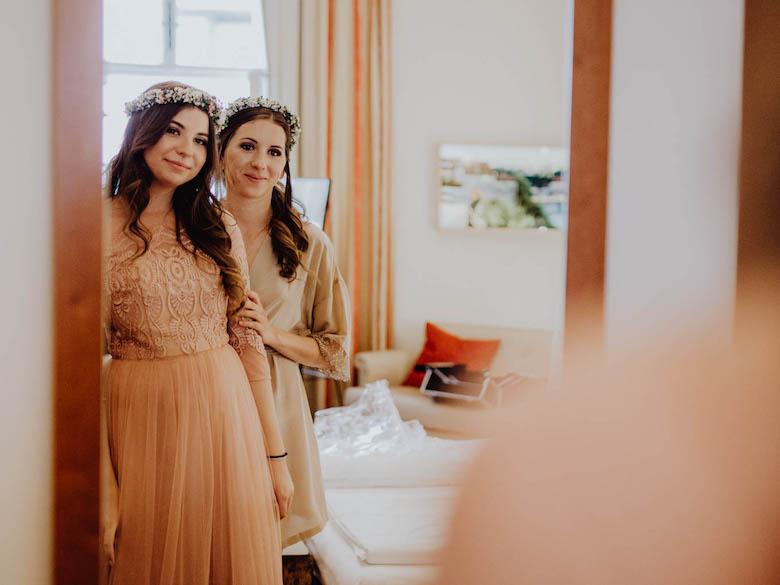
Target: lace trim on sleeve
{"x":240,"y":337}
{"x":334,"y":354}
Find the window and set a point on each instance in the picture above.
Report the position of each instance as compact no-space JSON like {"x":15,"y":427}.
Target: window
{"x":219,"y":47}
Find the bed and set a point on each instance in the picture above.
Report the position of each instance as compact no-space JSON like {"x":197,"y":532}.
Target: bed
{"x":389,"y":488}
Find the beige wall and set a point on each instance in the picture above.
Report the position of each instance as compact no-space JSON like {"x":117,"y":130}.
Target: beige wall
{"x":25,"y":297}
{"x":676,"y":98}
{"x":487,"y":72}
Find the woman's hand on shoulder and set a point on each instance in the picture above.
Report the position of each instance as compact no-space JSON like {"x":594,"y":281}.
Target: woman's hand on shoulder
{"x":253,"y":316}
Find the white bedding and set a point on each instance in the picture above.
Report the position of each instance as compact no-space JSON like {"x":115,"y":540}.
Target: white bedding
{"x":393,"y":526}
{"x":439,"y":462}
{"x":339,"y":565}
{"x":389,"y":488}
{"x":367,"y":444}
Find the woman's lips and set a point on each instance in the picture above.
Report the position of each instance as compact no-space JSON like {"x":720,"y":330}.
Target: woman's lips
{"x":255,"y":179}
{"x":177,"y":165}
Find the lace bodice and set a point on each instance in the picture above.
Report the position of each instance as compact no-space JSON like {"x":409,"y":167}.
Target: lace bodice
{"x":169,"y":302}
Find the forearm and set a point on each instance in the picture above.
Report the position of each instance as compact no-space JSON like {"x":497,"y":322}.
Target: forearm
{"x":298,"y":348}
{"x":264,"y":399}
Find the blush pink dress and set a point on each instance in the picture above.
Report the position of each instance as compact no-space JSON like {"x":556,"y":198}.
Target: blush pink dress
{"x":196,"y":500}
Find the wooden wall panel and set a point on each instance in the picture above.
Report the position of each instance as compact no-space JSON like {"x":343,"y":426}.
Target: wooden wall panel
{"x":77,"y":115}
{"x":585,"y":255}
{"x":758,"y":249}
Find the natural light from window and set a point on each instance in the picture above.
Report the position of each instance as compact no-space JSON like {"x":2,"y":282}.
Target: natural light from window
{"x":218,"y":46}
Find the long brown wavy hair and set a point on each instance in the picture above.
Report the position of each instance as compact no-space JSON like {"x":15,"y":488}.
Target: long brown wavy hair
{"x":196,"y":210}
{"x":288,"y":236}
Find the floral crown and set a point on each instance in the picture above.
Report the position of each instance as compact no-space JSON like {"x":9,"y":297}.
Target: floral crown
{"x":262,"y":102}
{"x":176,"y":95}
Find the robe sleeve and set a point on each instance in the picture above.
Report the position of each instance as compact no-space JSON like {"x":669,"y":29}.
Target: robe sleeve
{"x":331,"y":316}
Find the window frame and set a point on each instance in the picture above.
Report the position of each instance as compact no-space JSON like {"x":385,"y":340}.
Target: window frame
{"x":258,"y":78}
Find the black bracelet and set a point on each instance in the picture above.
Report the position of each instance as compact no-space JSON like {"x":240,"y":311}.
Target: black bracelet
{"x":277,"y":456}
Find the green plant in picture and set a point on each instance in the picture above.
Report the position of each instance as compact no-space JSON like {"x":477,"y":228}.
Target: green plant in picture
{"x":495,"y":213}
{"x":542,"y":180}
{"x":525,"y":203}
{"x":520,"y":219}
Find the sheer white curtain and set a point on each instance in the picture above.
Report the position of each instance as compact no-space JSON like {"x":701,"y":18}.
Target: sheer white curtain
{"x":283,"y":36}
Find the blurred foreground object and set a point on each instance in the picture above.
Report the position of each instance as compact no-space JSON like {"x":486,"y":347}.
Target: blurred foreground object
{"x":662,"y":469}
{"x":665,"y":468}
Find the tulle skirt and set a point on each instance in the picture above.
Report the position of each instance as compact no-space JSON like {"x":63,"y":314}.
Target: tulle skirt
{"x":196,"y":500}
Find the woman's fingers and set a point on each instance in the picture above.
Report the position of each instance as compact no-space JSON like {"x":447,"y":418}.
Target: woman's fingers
{"x":252,"y":316}
{"x":250,"y":304}
{"x":109,"y":537}
{"x":252,"y":324}
{"x":253,"y":311}
{"x":252,"y":296}
{"x":248,"y":314}
{"x":283,"y":486}
{"x":284,"y":506}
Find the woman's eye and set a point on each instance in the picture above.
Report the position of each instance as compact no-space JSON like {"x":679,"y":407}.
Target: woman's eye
{"x":275,"y":152}
{"x":172,"y":130}
{"x":202,"y":141}
{"x":248,"y":146}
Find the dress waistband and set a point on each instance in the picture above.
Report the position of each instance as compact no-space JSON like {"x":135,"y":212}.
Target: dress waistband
{"x":132,"y":356}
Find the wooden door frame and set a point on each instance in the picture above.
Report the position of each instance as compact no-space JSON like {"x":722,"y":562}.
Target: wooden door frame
{"x":76,"y":183}
{"x":588,"y":174}
{"x":77,"y":116}
{"x":758,"y":245}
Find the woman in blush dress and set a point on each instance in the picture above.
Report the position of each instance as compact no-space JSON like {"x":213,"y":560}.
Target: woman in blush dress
{"x":201,"y":477}
{"x":300,"y":305}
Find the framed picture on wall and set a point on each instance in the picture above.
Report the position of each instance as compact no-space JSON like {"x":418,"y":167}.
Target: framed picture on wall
{"x":502,"y":187}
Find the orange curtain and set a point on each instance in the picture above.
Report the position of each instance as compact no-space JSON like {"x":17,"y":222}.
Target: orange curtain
{"x":346,"y":92}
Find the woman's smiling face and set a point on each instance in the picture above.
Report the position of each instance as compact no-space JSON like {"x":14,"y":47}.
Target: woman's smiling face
{"x":254,"y":159}
{"x":180,"y":153}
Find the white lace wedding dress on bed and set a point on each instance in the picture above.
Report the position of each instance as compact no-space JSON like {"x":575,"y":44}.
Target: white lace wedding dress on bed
{"x":389,"y":489}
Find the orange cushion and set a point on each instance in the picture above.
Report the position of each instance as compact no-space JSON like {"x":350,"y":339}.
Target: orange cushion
{"x":441,"y":346}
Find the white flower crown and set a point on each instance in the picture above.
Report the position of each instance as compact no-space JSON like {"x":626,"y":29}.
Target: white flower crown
{"x":176,"y":95}
{"x":262,"y":102}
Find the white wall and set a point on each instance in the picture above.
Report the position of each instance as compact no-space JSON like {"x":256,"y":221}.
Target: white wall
{"x":488,"y":72}
{"x":25,"y":297}
{"x":675,"y":111}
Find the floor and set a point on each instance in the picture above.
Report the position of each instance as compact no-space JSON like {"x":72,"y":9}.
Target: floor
{"x":300,"y":570}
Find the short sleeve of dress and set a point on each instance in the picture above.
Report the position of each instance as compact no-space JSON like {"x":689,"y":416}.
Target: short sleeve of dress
{"x":331,"y":315}
{"x":247,"y":342}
